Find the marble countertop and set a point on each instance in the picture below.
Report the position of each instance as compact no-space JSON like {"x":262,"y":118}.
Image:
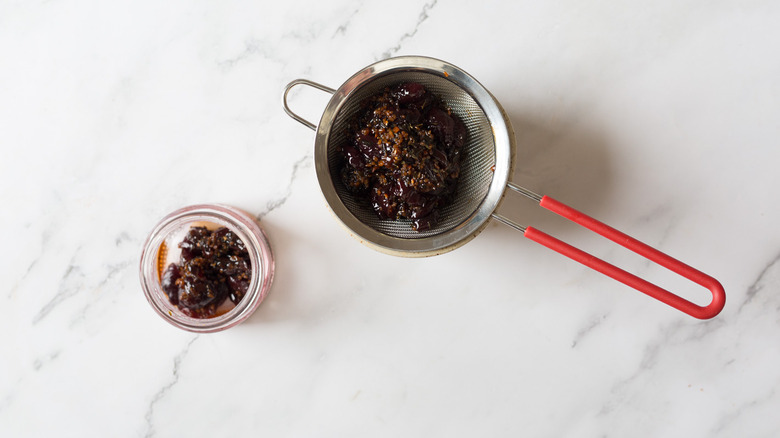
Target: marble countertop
{"x":660,"y":119}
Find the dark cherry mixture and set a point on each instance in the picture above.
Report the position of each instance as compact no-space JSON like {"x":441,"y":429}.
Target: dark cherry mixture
{"x":403,"y":154}
{"x":214,"y":266}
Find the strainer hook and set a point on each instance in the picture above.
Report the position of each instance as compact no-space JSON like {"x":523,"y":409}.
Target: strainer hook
{"x":290,"y":112}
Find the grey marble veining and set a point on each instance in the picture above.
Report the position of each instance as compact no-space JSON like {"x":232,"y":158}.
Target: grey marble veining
{"x":659,"y":119}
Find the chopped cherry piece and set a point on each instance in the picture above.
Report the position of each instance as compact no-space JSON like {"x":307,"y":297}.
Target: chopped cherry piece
{"x":409,"y":92}
{"x":168,"y":283}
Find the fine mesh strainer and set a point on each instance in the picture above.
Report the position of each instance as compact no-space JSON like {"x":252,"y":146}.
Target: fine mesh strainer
{"x":485,"y":169}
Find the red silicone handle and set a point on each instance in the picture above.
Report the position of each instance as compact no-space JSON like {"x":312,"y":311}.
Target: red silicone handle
{"x":674,"y":265}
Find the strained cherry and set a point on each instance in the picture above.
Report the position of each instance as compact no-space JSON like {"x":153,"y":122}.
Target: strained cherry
{"x":403,"y":154}
{"x":214,"y":266}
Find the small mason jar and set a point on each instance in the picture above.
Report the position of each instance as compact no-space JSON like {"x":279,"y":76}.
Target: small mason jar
{"x":161,"y":248}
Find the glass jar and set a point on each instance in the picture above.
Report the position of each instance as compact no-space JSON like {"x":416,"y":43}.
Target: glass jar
{"x":161,"y":247}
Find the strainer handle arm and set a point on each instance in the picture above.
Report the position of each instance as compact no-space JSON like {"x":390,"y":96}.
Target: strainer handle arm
{"x":628,"y":242}
{"x":290,"y":112}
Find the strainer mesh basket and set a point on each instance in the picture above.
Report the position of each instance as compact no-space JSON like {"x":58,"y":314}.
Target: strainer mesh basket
{"x":477,"y":165}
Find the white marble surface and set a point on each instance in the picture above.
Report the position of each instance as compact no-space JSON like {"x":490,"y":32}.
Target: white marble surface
{"x":660,"y":118}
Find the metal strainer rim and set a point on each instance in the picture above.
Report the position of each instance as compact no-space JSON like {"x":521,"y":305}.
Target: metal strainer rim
{"x":504,"y":144}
